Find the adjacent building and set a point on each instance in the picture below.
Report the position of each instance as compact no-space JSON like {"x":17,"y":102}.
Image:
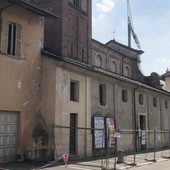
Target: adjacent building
{"x":21,"y":40}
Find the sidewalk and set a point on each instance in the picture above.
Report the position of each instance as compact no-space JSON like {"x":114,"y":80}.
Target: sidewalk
{"x":138,"y":160}
{"x":20,"y":166}
{"x":28,"y":165}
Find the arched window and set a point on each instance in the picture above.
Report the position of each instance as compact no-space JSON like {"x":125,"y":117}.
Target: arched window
{"x":127,"y":71}
{"x":124,"y":96}
{"x":83,"y":59}
{"x":154,"y":102}
{"x":98,"y":60}
{"x":102,"y":94}
{"x":113,"y":66}
{"x":141,"y":99}
{"x":166,"y":104}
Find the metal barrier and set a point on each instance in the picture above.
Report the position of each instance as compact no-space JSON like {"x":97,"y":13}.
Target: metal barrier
{"x":130,"y":148}
{"x":141,"y":146}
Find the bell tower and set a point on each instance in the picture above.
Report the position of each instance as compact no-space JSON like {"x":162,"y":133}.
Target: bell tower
{"x":70,"y":34}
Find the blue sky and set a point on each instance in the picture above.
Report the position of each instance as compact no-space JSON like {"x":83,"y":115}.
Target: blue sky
{"x":151,"y":21}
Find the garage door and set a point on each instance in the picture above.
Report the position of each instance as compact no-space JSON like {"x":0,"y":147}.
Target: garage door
{"x":8,"y":136}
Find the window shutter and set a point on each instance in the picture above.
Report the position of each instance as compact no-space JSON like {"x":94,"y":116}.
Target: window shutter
{"x":4,"y":36}
{"x":18,"y":41}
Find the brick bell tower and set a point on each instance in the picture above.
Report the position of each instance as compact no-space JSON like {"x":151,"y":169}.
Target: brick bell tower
{"x":70,"y":34}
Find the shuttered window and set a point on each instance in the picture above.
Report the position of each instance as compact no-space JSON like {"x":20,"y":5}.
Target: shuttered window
{"x":10,"y":43}
{"x":18,"y":41}
{"x":4,"y":36}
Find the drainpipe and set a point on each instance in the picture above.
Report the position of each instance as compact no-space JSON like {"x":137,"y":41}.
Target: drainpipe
{"x":85,"y":147}
{"x":134,"y":111}
{"x":135,"y":124}
{"x":77,"y":38}
{"x":161,"y":121}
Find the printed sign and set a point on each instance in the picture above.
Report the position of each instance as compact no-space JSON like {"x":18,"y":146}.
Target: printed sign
{"x":110,"y":123}
{"x":99,"y":136}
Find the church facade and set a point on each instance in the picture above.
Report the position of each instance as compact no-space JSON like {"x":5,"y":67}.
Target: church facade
{"x":97,"y":87}
{"x":79,"y":88}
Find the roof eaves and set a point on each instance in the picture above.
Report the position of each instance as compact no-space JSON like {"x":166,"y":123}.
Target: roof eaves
{"x":131,"y":81}
{"x":66,"y":59}
{"x":33,"y":8}
{"x":124,"y":46}
{"x":102,"y":71}
{"x":117,"y":51}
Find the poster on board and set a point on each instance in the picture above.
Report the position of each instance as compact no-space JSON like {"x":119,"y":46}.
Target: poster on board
{"x":99,"y":137}
{"x":110,"y":123}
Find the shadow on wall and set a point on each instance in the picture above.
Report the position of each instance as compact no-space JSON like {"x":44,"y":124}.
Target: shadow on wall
{"x":40,"y":135}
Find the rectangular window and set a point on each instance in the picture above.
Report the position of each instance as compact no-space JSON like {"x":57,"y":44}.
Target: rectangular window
{"x":83,"y":59}
{"x":10,"y":38}
{"x":72,"y":51}
{"x":73,"y":134}
{"x":102,"y":94}
{"x":74,"y":91}
{"x":124,"y":96}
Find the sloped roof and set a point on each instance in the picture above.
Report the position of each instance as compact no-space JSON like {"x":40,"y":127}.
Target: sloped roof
{"x":121,"y":50}
{"x":123,"y":46}
{"x":33,"y":8}
{"x":103,"y":72}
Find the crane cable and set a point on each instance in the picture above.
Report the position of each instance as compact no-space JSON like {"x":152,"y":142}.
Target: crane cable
{"x":131,"y":27}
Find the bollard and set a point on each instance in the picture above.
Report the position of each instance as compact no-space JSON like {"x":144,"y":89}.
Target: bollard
{"x":120,"y":157}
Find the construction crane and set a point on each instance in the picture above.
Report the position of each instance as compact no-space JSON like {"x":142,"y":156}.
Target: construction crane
{"x":131,"y":28}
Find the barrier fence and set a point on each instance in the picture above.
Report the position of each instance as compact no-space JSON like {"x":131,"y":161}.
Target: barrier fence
{"x":138,"y":146}
{"x":109,"y":147}
{"x":129,"y":147}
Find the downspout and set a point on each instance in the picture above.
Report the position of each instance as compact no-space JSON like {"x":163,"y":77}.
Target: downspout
{"x":135,"y":123}
{"x":86,"y":110}
{"x":134,"y":132}
{"x":77,"y":37}
{"x":161,"y":127}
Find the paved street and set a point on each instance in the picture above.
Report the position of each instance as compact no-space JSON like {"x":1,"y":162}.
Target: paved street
{"x":142,"y":161}
{"x":160,"y":165}
{"x":148,"y":161}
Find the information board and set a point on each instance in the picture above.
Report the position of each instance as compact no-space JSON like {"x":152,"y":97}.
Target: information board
{"x":99,"y":137}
